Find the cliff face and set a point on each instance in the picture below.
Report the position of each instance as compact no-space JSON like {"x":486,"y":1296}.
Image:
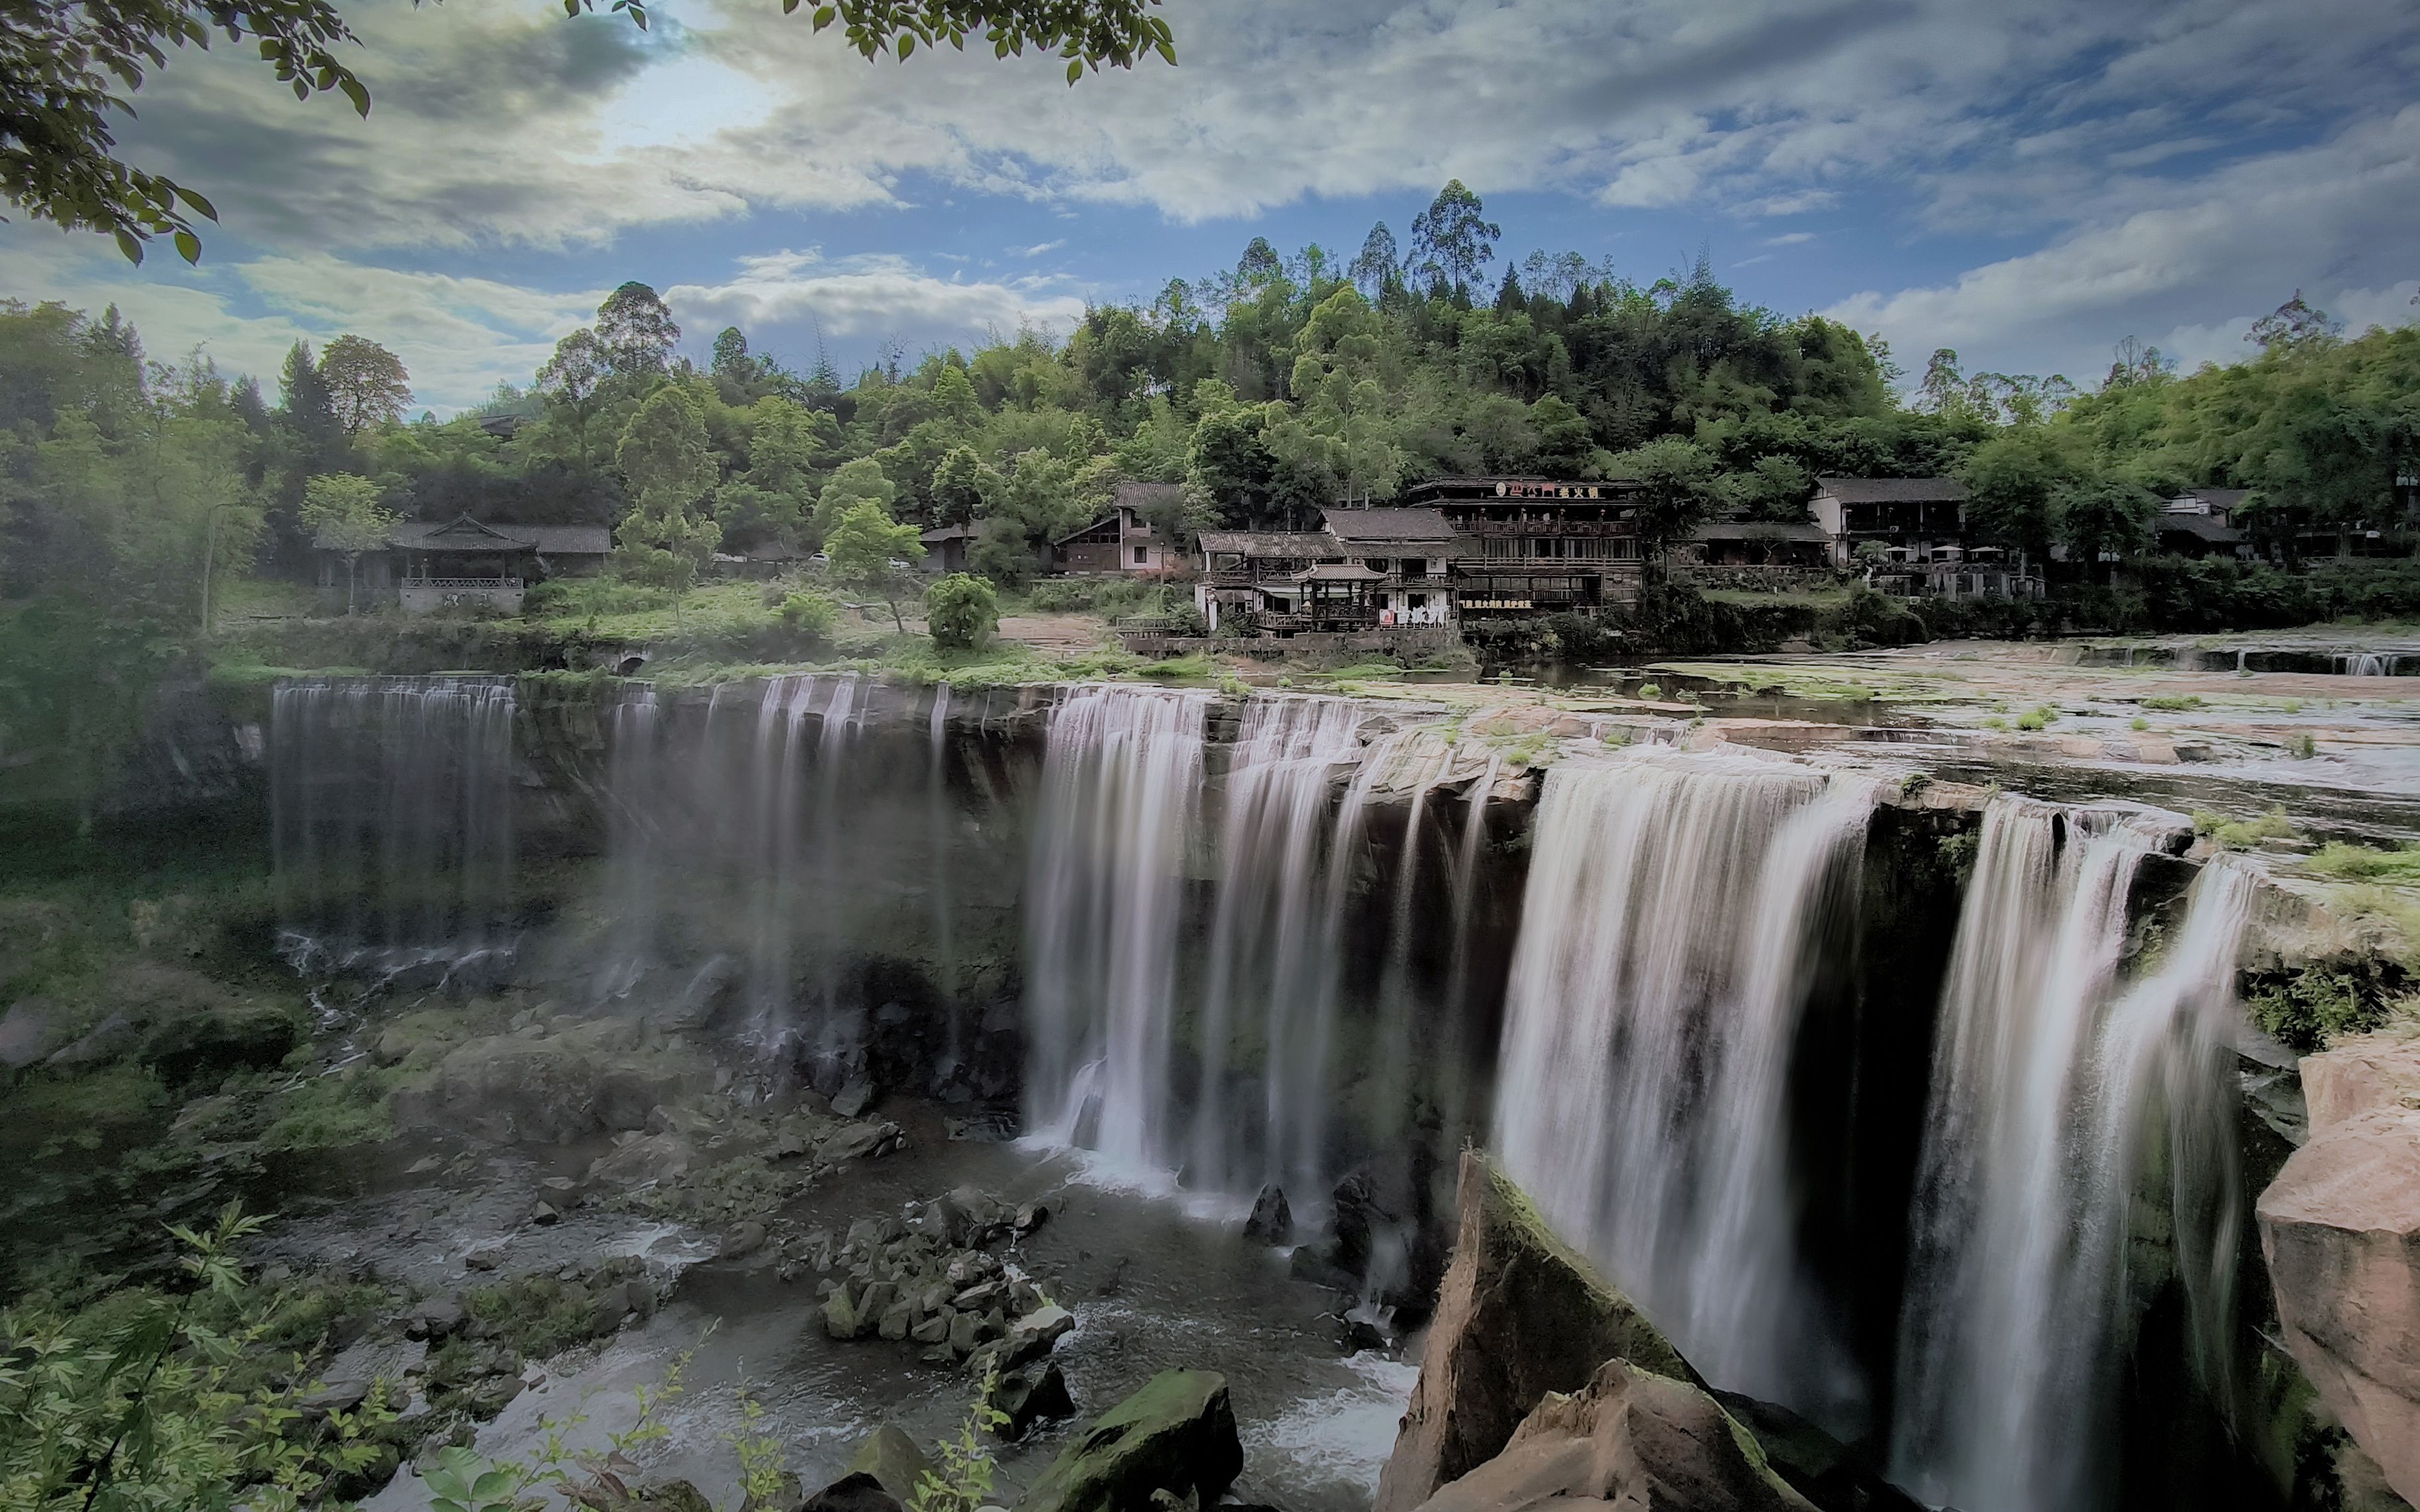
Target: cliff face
{"x":2340,"y":1228}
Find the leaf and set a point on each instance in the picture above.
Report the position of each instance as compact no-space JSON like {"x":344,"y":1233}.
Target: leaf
{"x":789,"y":6}
{"x":199,"y":204}
{"x":356,"y":92}
{"x":189,"y":246}
{"x":129,"y":245}
{"x":495,"y":1483}
{"x":1074,"y":70}
{"x":907,"y":46}
{"x":824,"y":17}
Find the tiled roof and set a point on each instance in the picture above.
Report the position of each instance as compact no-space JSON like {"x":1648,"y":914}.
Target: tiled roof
{"x":464,"y":533}
{"x":1279,"y":544}
{"x":1894,"y":490}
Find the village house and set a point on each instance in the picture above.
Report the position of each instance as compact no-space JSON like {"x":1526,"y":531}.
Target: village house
{"x":1533,"y":545}
{"x":2201,"y":522}
{"x":1122,"y":541}
{"x":1457,"y":548}
{"x":463,"y":562}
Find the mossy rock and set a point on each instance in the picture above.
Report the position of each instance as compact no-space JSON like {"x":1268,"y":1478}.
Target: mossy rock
{"x":891,"y":1458}
{"x":1177,"y":1434}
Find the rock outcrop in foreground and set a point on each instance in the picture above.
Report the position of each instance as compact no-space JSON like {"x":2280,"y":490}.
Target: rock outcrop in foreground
{"x":2341,"y":1227}
{"x":1521,"y":1315}
{"x":1176,"y":1435}
{"x":1631,"y":1440}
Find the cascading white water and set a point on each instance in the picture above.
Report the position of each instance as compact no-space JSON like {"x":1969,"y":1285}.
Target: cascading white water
{"x":392,"y":817}
{"x":1271,"y":947}
{"x":1673,"y":905}
{"x":631,"y":859}
{"x":2047,"y":1081}
{"x":937,"y":791}
{"x":1120,"y":800}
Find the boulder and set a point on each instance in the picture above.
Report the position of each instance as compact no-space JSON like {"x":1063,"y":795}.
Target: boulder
{"x":855,"y":1492}
{"x":27,"y":1031}
{"x":1175,"y":1435}
{"x":1034,"y":1335}
{"x":1272,"y":1221}
{"x":853,"y":1099}
{"x":1629,"y":1439}
{"x":594,"y":1077}
{"x":2340,"y":1229}
{"x":1521,"y":1314}
{"x":1029,"y":1396}
{"x":892,"y":1459}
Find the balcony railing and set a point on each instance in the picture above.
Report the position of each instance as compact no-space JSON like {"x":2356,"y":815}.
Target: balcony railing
{"x":459,"y":585}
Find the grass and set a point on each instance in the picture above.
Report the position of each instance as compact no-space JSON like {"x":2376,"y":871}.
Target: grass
{"x":1802,"y":597}
{"x":2362,"y":864}
{"x":2175,"y":704}
{"x":2243,"y":834}
{"x":2039,"y":717}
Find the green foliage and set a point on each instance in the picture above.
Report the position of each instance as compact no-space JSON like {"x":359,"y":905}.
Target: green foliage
{"x":810,"y":614}
{"x":2039,"y":717}
{"x":2174,"y":702}
{"x":962,"y":1479}
{"x":864,"y":543}
{"x":2309,"y":1010}
{"x":2243,"y":834}
{"x":962,"y":612}
{"x":2353,"y":863}
{"x":153,"y":1398}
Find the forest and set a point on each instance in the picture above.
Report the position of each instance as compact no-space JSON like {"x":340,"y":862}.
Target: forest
{"x":129,"y":484}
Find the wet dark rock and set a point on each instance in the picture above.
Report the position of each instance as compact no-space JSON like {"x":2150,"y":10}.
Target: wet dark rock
{"x":334,"y":1396}
{"x":1272,"y":1219}
{"x":1817,"y":1465}
{"x":853,"y":1099}
{"x":1032,"y":1216}
{"x":484,"y":1256}
{"x":742,"y":1241}
{"x":1520,"y":1315}
{"x":545,"y":1214}
{"x":436,"y":1319}
{"x":857,"y":1491}
{"x":841,"y":1314}
{"x":1036,"y":1334}
{"x":1035,"y":1395}
{"x":1177,"y":1434}
{"x":208,"y":1045}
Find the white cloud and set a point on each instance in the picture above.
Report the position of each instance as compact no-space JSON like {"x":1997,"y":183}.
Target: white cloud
{"x":2238,"y":241}
{"x":858,"y":297}
{"x":1790,"y":240}
{"x":1039,"y":249}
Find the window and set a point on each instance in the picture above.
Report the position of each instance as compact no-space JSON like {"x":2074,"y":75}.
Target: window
{"x":1142,"y":555}
{"x":1419,"y":601}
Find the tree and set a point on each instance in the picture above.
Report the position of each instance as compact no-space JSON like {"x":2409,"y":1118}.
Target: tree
{"x":1378,"y":264}
{"x":367,"y":385}
{"x":861,"y":481}
{"x":863,"y":544}
{"x":65,"y":68}
{"x":2102,"y":514}
{"x":962,"y":612}
{"x":1259,"y":264}
{"x":572,"y":383}
{"x":732,"y":363}
{"x":2294,"y":326}
{"x":636,"y":332}
{"x":343,"y":513}
{"x":665,"y":457}
{"x":1450,"y":241}
{"x":2010,"y":480}
{"x":1680,"y":479}
{"x":964,"y":486}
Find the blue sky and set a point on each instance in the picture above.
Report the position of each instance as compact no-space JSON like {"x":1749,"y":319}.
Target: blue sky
{"x":2028,"y":181}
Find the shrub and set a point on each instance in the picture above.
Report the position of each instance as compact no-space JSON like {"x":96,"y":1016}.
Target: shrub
{"x":2041,"y":717}
{"x":2309,"y":1009}
{"x":811,"y":614}
{"x":962,"y":612}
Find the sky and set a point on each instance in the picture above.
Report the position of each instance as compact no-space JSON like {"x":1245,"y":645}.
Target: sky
{"x":2026,"y":182}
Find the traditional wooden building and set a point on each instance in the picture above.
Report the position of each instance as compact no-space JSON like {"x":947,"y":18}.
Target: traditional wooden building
{"x":1535,"y":545}
{"x":1920,"y":516}
{"x":462,"y":563}
{"x":1123,"y":539}
{"x":1248,"y":577}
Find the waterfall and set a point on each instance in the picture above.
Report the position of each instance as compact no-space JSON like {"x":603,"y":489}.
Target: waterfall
{"x":2049,"y":1083}
{"x":936,"y":795}
{"x":631,"y":859}
{"x":391,"y":818}
{"x":1271,"y":946}
{"x":1121,"y":781}
{"x":1673,"y":908}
